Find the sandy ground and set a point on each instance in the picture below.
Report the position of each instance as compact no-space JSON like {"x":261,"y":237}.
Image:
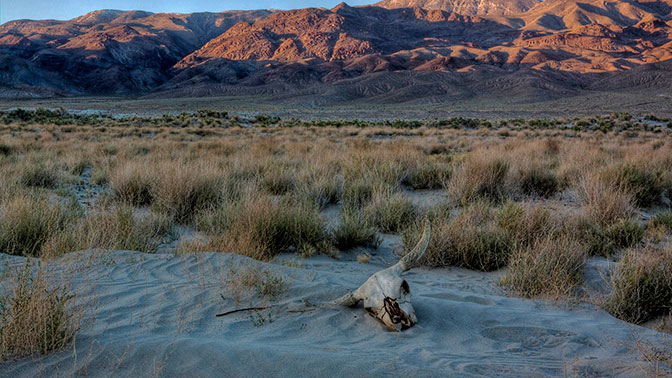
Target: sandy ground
{"x":154,"y":315}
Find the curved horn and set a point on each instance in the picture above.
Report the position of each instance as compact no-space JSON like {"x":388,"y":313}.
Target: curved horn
{"x":412,"y":259}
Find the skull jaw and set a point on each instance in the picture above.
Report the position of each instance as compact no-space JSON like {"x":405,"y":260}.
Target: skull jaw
{"x":396,"y":315}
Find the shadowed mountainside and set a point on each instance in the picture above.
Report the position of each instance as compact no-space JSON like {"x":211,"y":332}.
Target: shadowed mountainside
{"x":525,"y":50}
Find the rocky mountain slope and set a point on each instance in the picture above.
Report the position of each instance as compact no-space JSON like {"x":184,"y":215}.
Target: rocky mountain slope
{"x":524,"y":49}
{"x":470,"y":7}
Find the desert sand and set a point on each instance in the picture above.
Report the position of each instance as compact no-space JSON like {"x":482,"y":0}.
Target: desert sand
{"x":154,"y":315}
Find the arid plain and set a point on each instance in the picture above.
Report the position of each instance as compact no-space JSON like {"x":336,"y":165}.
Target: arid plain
{"x":203,"y":194}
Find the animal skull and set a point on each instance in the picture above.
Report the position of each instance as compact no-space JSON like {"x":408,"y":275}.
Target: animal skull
{"x":386,"y":295}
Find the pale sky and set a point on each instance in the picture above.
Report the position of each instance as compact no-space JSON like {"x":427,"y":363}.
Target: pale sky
{"x":67,"y":9}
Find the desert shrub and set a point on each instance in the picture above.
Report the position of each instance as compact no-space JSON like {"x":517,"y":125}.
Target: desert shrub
{"x":181,"y":192}
{"x":321,"y":190}
{"x":39,"y":176}
{"x":132,"y":184}
{"x":428,"y":175}
{"x":482,"y":177}
{"x":356,"y":194}
{"x":604,"y":204}
{"x":472,"y":239}
{"x":550,"y":266}
{"x":390,"y":212}
{"x":28,"y":221}
{"x":111,"y":229}
{"x":663,"y":219}
{"x":261,"y":228}
{"x":354,"y":230}
{"x":645,"y":185}
{"x":100,"y":177}
{"x":278,"y":180}
{"x":608,"y":240}
{"x":526,"y":223}
{"x":538,"y":180}
{"x":35,"y":317}
{"x":6,"y":150}
{"x":642,"y":285}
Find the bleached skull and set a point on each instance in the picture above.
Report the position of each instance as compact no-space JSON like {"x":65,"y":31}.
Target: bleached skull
{"x":386,"y":295}
{"x":388,"y":298}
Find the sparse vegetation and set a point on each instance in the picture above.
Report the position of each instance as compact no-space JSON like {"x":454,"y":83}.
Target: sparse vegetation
{"x":519,"y":193}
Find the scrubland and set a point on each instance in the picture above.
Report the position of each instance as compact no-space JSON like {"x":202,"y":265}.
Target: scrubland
{"x":536,"y":200}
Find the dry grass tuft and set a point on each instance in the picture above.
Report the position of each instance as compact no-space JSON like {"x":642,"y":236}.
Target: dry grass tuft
{"x":430,"y":174}
{"x":604,"y":204}
{"x":645,"y":184}
{"x":36,"y":317}
{"x":182,"y":191}
{"x":548,"y":267}
{"x":642,"y":285}
{"x":472,"y":239}
{"x":353,"y":231}
{"x":482,"y":176}
{"x":390,"y":211}
{"x":132,"y":184}
{"x":111,"y":229}
{"x":261,"y":228}
{"x":28,"y":221}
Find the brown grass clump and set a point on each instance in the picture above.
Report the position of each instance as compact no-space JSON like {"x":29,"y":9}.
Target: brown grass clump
{"x":181,"y":191}
{"x":549,"y":267}
{"x":35,"y":317}
{"x":642,"y":285}
{"x":609,"y":240}
{"x":525,"y":223}
{"x":354,"y":230}
{"x":472,"y":239}
{"x":604,"y":204}
{"x":645,"y":184}
{"x":261,"y":228}
{"x":132,"y":184}
{"x":390,"y":211}
{"x":111,"y":229}
{"x":28,"y":221}
{"x":38,"y":175}
{"x":482,"y":176}
{"x":429,"y":174}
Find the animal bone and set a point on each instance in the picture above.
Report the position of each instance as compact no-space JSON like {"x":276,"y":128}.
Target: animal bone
{"x":386,"y":295}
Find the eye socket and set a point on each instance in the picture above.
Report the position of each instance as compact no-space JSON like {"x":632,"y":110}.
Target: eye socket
{"x":404,"y":287}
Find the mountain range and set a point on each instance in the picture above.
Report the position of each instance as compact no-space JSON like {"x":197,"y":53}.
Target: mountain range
{"x":394,"y":51}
